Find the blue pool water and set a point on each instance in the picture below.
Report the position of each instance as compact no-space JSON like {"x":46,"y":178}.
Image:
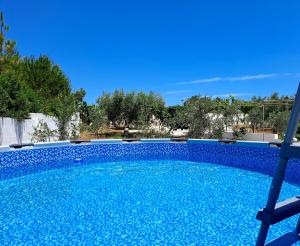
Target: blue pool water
{"x":156,"y":202}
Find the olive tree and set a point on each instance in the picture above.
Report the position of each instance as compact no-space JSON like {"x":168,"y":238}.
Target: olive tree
{"x":278,"y":121}
{"x":255,"y":118}
{"x":198,"y":109}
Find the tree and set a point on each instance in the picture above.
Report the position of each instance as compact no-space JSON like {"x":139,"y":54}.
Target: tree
{"x":176,"y":118}
{"x":85,"y":111}
{"x":79,"y":95}
{"x":34,"y":85}
{"x":217,"y":128}
{"x":45,"y":81}
{"x":229,"y":110}
{"x":157,"y":104}
{"x":255,"y":118}
{"x":128,"y":109}
{"x":9,"y":56}
{"x":245,"y":108}
{"x":149,"y":106}
{"x":112,"y":105}
{"x":279,"y":121}
{"x":13,"y":99}
{"x":64,"y":109}
{"x":98,"y":120}
{"x":198,"y":109}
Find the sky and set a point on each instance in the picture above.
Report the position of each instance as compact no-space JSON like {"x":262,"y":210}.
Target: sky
{"x":175,"y":48}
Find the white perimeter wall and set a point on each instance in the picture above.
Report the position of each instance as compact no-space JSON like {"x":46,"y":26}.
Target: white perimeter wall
{"x":269,"y":137}
{"x":13,"y":131}
{"x":261,"y":137}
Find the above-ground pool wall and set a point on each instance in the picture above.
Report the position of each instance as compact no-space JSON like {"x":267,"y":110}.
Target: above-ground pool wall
{"x":20,"y":162}
{"x":261,"y":159}
{"x":95,"y":152}
{"x":250,"y":156}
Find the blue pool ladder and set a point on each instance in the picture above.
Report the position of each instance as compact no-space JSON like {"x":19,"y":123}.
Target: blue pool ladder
{"x":275,"y":212}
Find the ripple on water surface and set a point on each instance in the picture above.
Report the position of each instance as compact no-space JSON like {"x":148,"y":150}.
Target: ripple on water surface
{"x":142,"y":202}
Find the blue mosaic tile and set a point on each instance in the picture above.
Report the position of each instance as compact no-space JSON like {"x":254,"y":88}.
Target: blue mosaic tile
{"x":249,"y":157}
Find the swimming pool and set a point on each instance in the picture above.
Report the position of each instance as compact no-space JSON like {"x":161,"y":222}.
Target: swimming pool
{"x":201,"y":193}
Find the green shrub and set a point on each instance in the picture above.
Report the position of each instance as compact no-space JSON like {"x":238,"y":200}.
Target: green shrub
{"x":13,"y":100}
{"x":42,"y":132}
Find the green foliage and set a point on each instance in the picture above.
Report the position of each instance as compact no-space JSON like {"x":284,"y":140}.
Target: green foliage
{"x":42,"y":132}
{"x":85,"y":112}
{"x":176,"y":117}
{"x":65,"y":108}
{"x":44,"y":77}
{"x":278,"y":121}
{"x":151,"y":134}
{"x":112,"y":105}
{"x":28,"y":84}
{"x":45,"y":82}
{"x":98,"y":120}
{"x":130,"y":108}
{"x":230,"y":110}
{"x":239,"y":133}
{"x":9,"y":56}
{"x":203,"y":116}
{"x":13,"y":100}
{"x":127,"y":109}
{"x":39,"y":85}
{"x":148,"y":105}
{"x":79,"y":95}
{"x":217,"y":128}
{"x":198,"y":109}
{"x":279,"y":106}
{"x":34,"y":85}
{"x":255,"y":118}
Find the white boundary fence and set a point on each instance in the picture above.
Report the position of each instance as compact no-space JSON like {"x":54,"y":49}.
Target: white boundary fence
{"x":13,"y":131}
{"x":268,"y":137}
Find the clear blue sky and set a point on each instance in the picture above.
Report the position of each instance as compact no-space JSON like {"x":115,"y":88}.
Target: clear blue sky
{"x":176,"y":48}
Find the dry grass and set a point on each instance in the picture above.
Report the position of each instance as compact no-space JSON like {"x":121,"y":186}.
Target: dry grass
{"x":109,"y":133}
